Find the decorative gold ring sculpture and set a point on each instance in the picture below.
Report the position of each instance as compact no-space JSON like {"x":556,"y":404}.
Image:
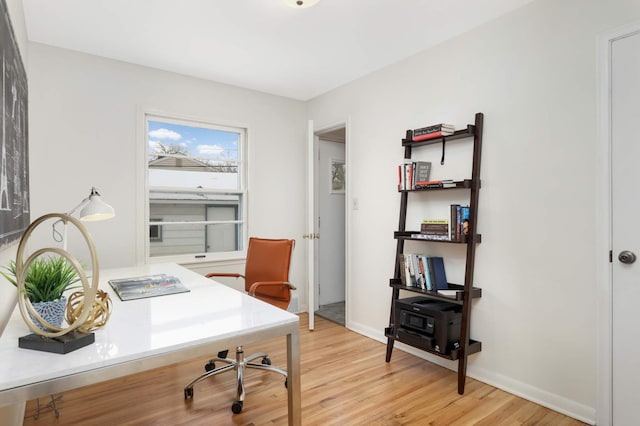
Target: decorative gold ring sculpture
{"x":22,"y":265}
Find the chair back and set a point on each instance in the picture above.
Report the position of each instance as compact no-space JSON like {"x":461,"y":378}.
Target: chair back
{"x":268,"y":260}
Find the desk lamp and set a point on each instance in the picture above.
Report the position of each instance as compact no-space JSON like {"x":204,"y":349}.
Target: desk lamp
{"x":57,"y":339}
{"x":93,"y":210}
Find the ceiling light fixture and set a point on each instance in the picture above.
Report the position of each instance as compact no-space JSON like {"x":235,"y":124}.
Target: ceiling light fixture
{"x":300,"y":4}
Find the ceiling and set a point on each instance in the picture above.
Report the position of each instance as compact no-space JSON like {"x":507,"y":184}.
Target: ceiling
{"x":261,"y":45}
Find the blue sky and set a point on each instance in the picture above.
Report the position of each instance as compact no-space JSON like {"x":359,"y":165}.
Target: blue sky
{"x":201,"y":142}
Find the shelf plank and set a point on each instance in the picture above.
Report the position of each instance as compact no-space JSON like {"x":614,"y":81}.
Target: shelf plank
{"x":406,"y":235}
{"x":476,"y":292}
{"x":416,"y":341}
{"x":460,"y":184}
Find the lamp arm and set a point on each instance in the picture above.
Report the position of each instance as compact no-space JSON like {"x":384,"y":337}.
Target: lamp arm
{"x":57,"y":236}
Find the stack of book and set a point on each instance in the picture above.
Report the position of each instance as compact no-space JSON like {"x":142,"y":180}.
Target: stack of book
{"x":434,"y":229}
{"x":432,"y":132}
{"x":424,"y":272}
{"x":445,"y":183}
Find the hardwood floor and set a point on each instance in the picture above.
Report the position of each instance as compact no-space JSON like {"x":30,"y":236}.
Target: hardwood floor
{"x":345,"y":381}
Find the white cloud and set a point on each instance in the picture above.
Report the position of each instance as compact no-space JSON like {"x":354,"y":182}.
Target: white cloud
{"x":154,"y":145}
{"x":210,"y":149}
{"x":165,"y":134}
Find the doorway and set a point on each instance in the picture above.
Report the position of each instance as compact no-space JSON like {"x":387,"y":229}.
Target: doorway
{"x":330,"y":190}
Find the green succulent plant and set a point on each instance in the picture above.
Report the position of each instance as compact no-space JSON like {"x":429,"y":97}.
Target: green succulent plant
{"x":46,"y":279}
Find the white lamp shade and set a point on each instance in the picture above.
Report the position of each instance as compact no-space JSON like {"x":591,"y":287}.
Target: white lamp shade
{"x":96,"y":209}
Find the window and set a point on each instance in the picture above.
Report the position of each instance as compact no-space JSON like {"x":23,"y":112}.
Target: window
{"x":196,"y":189}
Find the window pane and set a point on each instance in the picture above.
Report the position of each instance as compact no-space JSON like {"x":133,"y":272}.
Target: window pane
{"x":193,"y":206}
{"x":192,"y":157}
{"x":196,"y":238}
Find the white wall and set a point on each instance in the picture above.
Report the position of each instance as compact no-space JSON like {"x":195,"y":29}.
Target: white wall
{"x":533,"y":74}
{"x":85,"y":130}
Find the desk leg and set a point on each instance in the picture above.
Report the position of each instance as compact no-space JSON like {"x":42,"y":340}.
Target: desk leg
{"x":13,"y":415}
{"x":293,"y":377}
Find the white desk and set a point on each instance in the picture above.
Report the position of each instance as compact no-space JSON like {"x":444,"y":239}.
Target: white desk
{"x":149,"y":333}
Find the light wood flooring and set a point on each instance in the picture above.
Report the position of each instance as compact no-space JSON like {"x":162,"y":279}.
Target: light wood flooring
{"x":345,"y":381}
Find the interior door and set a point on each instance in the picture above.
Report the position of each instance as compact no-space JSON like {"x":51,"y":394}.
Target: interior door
{"x":625,"y":235}
{"x":309,"y":237}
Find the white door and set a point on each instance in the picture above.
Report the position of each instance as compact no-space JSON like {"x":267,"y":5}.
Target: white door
{"x":311,"y":227}
{"x":331,"y":188}
{"x":625,"y":196}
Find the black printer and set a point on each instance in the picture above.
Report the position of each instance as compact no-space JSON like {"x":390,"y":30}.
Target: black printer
{"x":428,"y":323}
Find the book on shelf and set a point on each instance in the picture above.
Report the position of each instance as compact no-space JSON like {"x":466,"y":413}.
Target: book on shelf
{"x":422,"y":271}
{"x":411,"y":173}
{"x":460,"y":216}
{"x":436,"y":268}
{"x":425,"y":271}
{"x":404,"y":270}
{"x":454,"y":230}
{"x":418,"y":271}
{"x":147,"y":286}
{"x":405,"y":175}
{"x":464,"y":221}
{"x":434,"y":128}
{"x":432,"y":237}
{"x":446,"y":183}
{"x":422,"y":170}
{"x":437,"y":227}
{"x":433,"y":135}
{"x":410,"y":277}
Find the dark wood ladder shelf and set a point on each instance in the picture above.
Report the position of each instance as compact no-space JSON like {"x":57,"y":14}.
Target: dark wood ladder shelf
{"x":463,"y":294}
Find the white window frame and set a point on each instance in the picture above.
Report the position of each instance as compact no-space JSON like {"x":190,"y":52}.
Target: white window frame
{"x":145,"y":222}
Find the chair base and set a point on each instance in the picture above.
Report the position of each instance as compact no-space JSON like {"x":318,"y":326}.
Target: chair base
{"x":239,"y":365}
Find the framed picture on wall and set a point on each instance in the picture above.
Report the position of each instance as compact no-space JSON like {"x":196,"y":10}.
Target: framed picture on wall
{"x":14,"y":156}
{"x":338,"y":175}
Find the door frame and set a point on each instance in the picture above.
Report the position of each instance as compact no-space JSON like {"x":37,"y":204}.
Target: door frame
{"x":604,"y":294}
{"x":313,"y":177}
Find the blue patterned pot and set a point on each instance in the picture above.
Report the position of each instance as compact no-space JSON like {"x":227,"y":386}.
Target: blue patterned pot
{"x":52,"y":312}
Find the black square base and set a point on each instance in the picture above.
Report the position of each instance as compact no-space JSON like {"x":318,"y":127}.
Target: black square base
{"x":60,"y":345}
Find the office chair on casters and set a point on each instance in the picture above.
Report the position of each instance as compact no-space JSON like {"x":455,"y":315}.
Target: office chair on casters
{"x":266,"y":277}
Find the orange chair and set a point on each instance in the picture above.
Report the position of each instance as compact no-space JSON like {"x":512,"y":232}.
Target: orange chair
{"x":266,"y":277}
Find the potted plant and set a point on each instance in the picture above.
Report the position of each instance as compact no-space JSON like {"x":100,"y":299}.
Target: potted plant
{"x":45,"y":282}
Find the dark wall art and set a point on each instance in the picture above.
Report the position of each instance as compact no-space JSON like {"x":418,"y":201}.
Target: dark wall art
{"x":14,"y":158}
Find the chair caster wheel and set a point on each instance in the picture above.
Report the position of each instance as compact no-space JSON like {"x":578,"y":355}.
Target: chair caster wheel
{"x":266,"y":361}
{"x":236,"y":407}
{"x":188,"y":393}
{"x":210,"y":366}
{"x":286,"y":384}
